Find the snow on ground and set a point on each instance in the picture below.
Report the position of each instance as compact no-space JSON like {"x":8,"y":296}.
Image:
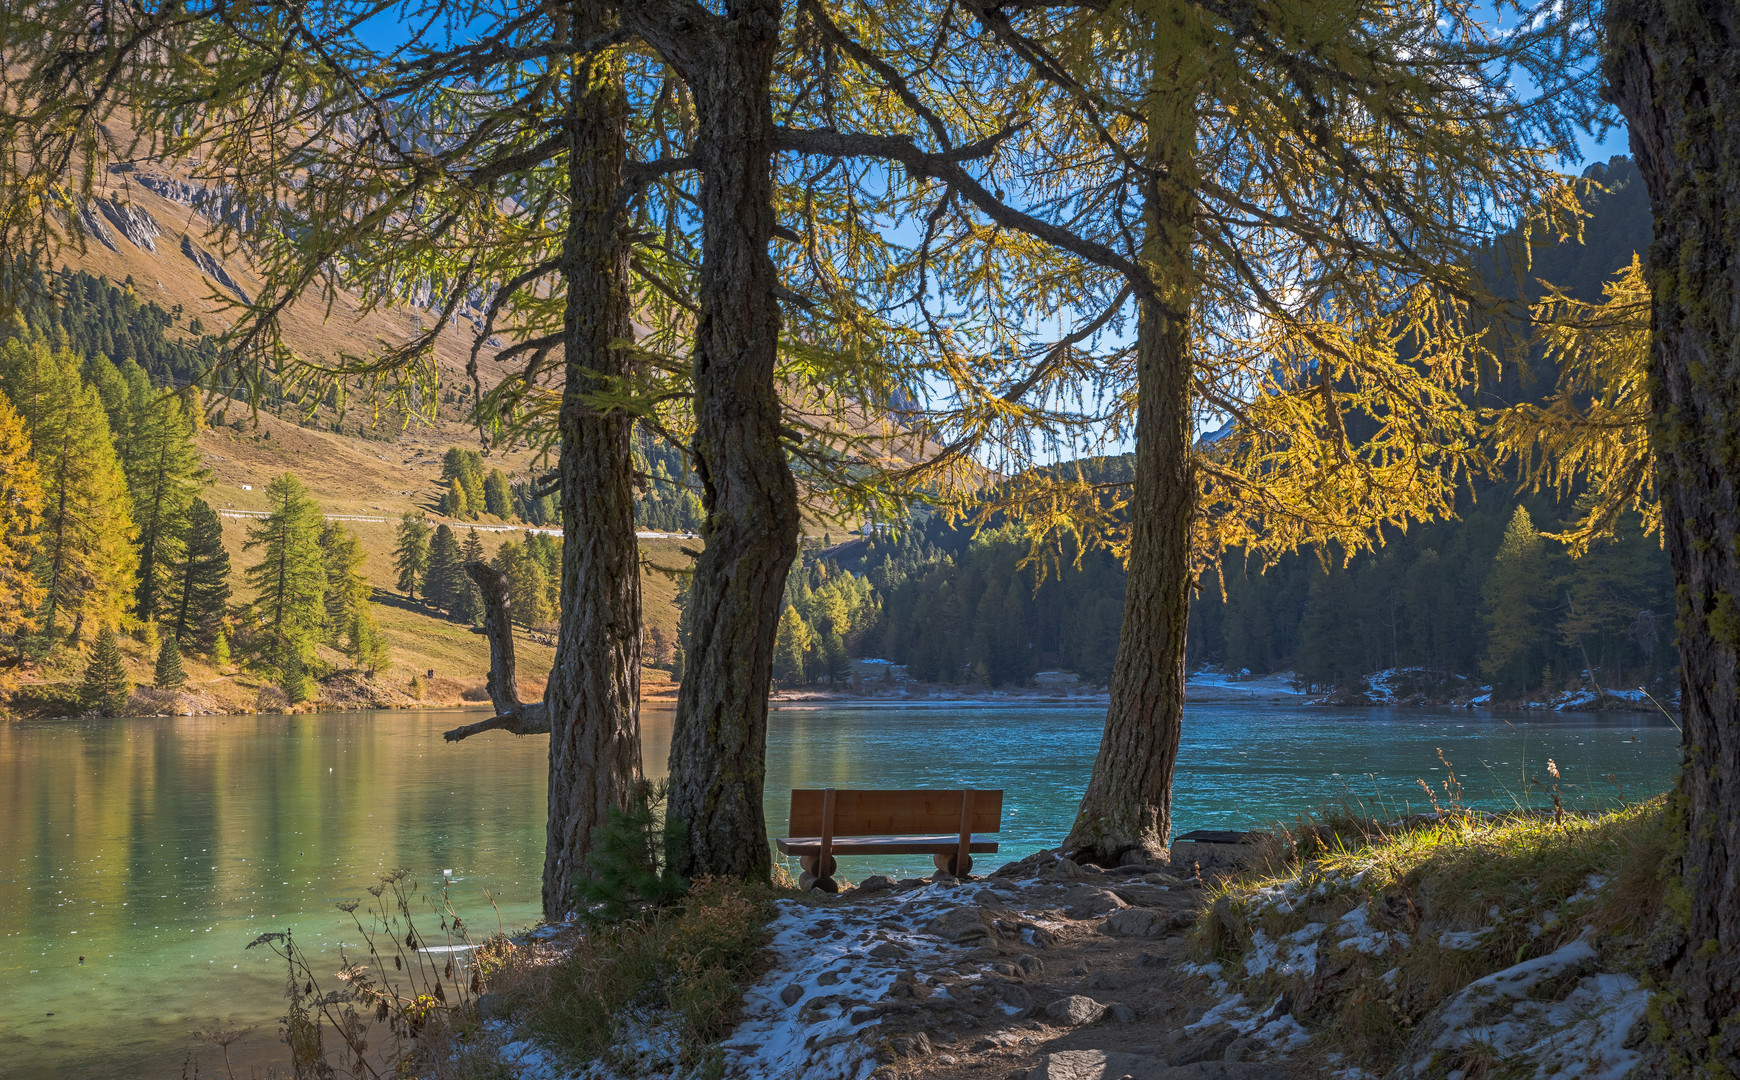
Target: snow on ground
{"x":1580,"y":1035}
{"x":1214,"y":685}
{"x":830,"y":964}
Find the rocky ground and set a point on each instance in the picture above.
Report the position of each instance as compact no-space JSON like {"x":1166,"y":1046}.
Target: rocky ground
{"x":1045,"y":969}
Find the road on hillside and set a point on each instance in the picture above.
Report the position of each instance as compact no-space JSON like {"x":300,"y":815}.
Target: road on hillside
{"x":466,"y":525}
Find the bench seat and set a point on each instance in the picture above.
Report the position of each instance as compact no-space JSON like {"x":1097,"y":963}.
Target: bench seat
{"x":883,"y":845}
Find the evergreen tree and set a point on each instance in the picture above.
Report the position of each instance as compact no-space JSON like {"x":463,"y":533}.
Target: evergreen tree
{"x":20,"y":513}
{"x":411,"y":557}
{"x":1517,"y":593}
{"x":442,"y":581}
{"x":200,"y":592}
{"x":220,"y":649}
{"x":163,"y":471}
{"x":85,"y":558}
{"x":106,"y":686}
{"x":168,"y":674}
{"x":347,"y":590}
{"x":293,"y":671}
{"x":468,"y":604}
{"x":497,"y":498}
{"x":289,"y":581}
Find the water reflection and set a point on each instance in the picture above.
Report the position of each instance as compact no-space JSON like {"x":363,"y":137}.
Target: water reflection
{"x":156,"y":849}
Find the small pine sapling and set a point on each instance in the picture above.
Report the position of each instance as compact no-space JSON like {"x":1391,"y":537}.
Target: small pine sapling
{"x":626,"y":870}
{"x":106,"y":686}
{"x":169,"y":674}
{"x":220,"y":649}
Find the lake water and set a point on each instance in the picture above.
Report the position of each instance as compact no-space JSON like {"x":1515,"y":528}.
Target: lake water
{"x":156,"y":849}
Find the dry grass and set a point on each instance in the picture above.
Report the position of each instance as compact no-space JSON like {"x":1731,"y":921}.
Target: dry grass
{"x":1523,"y":885}
{"x":684,"y":966}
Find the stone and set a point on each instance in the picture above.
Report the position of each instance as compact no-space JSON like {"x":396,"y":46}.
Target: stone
{"x":1242,"y":1048}
{"x":792,"y":994}
{"x":917,"y":1044}
{"x":1075,"y":1010}
{"x":1123,"y":1014}
{"x":1062,"y":870}
{"x":1016,"y":997}
{"x":1210,"y":1046}
{"x":998,"y":1040}
{"x":1139,"y":895}
{"x":1148,"y":959}
{"x":888,"y":950}
{"x":911,"y":883}
{"x":960,"y":925}
{"x":1134,"y":922}
{"x":828,"y":978}
{"x":1088,"y":901}
{"x":1030,"y":965}
{"x":874,"y":883}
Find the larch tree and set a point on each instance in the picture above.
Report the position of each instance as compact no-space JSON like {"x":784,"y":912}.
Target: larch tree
{"x":289,"y":581}
{"x":347,"y":589}
{"x":1518,"y":596}
{"x":468,"y":607}
{"x":1264,"y":217}
{"x":85,"y":557}
{"x":199,"y":591}
{"x":1673,"y":69}
{"x":20,"y":513}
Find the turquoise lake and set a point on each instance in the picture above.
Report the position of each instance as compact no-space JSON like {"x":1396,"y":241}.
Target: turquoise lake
{"x":156,"y":849}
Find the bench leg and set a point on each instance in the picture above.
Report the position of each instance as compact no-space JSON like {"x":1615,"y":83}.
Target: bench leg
{"x":809,"y":878}
{"x":946,"y":863}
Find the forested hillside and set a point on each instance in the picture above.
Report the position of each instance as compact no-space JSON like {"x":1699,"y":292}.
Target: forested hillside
{"x":1484,"y":596}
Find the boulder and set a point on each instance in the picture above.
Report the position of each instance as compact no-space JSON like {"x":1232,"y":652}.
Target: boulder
{"x":1075,"y":1010}
{"x":1134,"y":922}
{"x":961,"y":925}
{"x":1111,"y":1065}
{"x":1089,"y":901}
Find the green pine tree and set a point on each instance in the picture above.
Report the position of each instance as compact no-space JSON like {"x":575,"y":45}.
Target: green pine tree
{"x":168,"y":674}
{"x":220,"y":649}
{"x":442,"y":581}
{"x":106,"y":686}
{"x":411,"y":557}
{"x":347,"y":590}
{"x":293,"y":671}
{"x":289,"y":581}
{"x":468,"y":603}
{"x":497,"y":497}
{"x":163,"y":472}
{"x":1517,"y":593}
{"x":200,"y":590}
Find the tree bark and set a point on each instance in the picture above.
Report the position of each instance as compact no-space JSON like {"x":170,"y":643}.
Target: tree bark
{"x":715,"y":823}
{"x":1674,"y":70}
{"x":593,"y":693}
{"x":511,"y":715}
{"x":1126,"y":812}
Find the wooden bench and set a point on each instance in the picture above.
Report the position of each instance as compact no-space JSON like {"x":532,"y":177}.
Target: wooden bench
{"x":827,"y":822}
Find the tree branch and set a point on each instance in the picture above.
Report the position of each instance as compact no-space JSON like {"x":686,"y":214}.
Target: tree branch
{"x":511,"y":714}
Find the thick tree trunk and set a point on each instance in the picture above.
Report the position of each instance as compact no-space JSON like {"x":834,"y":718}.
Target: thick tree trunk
{"x":511,"y":714}
{"x":1126,"y":813}
{"x":715,"y":820}
{"x":1674,"y":71}
{"x":593,"y":693}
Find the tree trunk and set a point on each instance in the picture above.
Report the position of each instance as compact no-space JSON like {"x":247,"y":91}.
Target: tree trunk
{"x":1126,"y":813}
{"x":593,"y":693}
{"x":1674,"y":71}
{"x":715,"y":821}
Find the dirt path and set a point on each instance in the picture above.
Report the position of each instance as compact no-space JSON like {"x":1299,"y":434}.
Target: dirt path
{"x":1043,"y":970}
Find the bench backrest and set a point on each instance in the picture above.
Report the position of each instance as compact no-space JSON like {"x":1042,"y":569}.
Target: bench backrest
{"x":893,"y":813}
